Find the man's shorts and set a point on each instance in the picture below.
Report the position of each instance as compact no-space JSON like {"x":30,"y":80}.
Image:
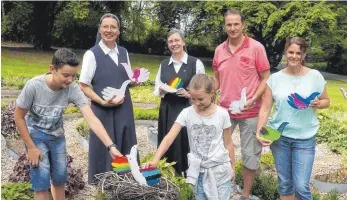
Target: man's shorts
{"x":250,"y":147}
{"x":53,"y":166}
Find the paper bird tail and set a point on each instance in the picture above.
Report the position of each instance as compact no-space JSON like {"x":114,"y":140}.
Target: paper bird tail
{"x":121,"y":165}
{"x":282,"y":126}
{"x":152,"y":175}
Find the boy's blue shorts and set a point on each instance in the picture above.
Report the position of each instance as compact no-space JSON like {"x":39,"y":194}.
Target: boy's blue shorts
{"x":53,"y":167}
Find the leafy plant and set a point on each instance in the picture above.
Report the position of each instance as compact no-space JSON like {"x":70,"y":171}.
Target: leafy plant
{"x":267,"y":161}
{"x":146,"y":114}
{"x":17,"y":190}
{"x":333,"y":195}
{"x":167,"y":171}
{"x":265,"y":185}
{"x":99,"y":195}
{"x":74,"y":182}
{"x":75,"y":179}
{"x":8,"y":126}
{"x":144,"y":93}
{"x":17,"y":82}
{"x":332,"y":129}
{"x":83,"y":128}
{"x":21,"y":170}
{"x":70,"y":110}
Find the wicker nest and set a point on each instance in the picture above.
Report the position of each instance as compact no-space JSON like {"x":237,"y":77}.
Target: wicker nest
{"x":124,"y":186}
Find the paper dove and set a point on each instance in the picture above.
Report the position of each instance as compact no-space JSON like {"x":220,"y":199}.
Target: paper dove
{"x":298,"y":102}
{"x":236,"y":106}
{"x":138,"y":75}
{"x":272,"y":134}
{"x":110,"y":92}
{"x":167,"y":88}
{"x":128,"y":163}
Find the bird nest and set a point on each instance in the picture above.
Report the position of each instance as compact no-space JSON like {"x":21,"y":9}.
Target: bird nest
{"x":124,"y":186}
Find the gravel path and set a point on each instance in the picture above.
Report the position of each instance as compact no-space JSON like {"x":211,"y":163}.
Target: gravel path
{"x":325,"y":160}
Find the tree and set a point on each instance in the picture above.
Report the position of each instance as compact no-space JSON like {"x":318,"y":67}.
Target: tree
{"x":44,"y":13}
{"x":333,"y":42}
{"x":268,"y":22}
{"x":16,"y":22}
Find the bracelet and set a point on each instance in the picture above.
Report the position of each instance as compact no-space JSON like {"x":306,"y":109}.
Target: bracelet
{"x":103,"y":102}
{"x":110,"y":146}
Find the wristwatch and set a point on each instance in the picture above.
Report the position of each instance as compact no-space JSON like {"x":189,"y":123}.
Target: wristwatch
{"x":110,"y":146}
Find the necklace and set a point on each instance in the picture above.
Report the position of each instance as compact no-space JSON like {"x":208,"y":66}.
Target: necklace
{"x":296,"y":79}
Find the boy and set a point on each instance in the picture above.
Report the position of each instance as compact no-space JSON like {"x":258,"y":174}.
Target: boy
{"x":39,"y":119}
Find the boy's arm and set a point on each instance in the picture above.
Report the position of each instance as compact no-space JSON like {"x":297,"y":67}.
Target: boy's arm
{"x":165,"y":144}
{"x":34,"y":154}
{"x":90,"y":93}
{"x":97,"y":127}
{"x":228,"y":144}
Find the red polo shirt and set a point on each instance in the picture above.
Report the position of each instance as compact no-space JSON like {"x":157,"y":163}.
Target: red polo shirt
{"x":238,"y":70}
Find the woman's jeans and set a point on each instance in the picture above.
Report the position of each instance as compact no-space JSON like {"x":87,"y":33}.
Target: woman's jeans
{"x":294,"y":160}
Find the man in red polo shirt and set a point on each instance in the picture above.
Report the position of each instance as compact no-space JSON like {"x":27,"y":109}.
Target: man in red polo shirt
{"x":241,"y":62}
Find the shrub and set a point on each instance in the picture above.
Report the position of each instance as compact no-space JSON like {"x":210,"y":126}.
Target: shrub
{"x":265,"y":185}
{"x":70,"y":110}
{"x":8,"y":126}
{"x":267,"y":161}
{"x":146,"y":114}
{"x":83,"y":128}
{"x":74,"y":182}
{"x":332,"y":131}
{"x":333,"y":195}
{"x":17,"y":190}
{"x":17,"y":82}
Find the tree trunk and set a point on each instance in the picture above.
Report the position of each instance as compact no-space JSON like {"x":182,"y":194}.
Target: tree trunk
{"x":44,"y":15}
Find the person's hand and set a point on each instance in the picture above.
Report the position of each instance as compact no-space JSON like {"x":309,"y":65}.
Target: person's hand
{"x":162,"y":91}
{"x":150,"y":164}
{"x":34,"y":156}
{"x":134,"y":84}
{"x":112,"y":103}
{"x":114,"y":152}
{"x":181,"y":92}
{"x":248,"y":105}
{"x":262,"y":141}
{"x":315,"y":103}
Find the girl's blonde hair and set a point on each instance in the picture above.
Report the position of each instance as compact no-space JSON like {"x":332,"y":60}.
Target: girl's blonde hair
{"x":203,"y":82}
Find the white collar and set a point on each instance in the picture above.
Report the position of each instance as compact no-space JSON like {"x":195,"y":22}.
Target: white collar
{"x":184,"y":59}
{"x":107,"y":50}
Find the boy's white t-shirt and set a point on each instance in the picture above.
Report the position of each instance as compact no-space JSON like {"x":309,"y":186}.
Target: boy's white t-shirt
{"x":205,"y":134}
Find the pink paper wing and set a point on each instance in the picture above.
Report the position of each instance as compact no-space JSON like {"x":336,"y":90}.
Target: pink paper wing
{"x":299,"y":104}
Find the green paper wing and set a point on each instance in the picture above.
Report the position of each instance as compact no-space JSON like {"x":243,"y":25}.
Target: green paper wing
{"x":272,"y":134}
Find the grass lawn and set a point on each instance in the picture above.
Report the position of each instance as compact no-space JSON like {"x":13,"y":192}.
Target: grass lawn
{"x":29,"y":63}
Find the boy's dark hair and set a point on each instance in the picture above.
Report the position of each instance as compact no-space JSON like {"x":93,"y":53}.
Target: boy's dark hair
{"x":63,"y":57}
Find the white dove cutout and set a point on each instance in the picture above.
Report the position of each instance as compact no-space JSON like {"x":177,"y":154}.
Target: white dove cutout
{"x":135,"y":169}
{"x":110,"y":92}
{"x":236,"y":106}
{"x":137,"y":75}
{"x":167,"y":88}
